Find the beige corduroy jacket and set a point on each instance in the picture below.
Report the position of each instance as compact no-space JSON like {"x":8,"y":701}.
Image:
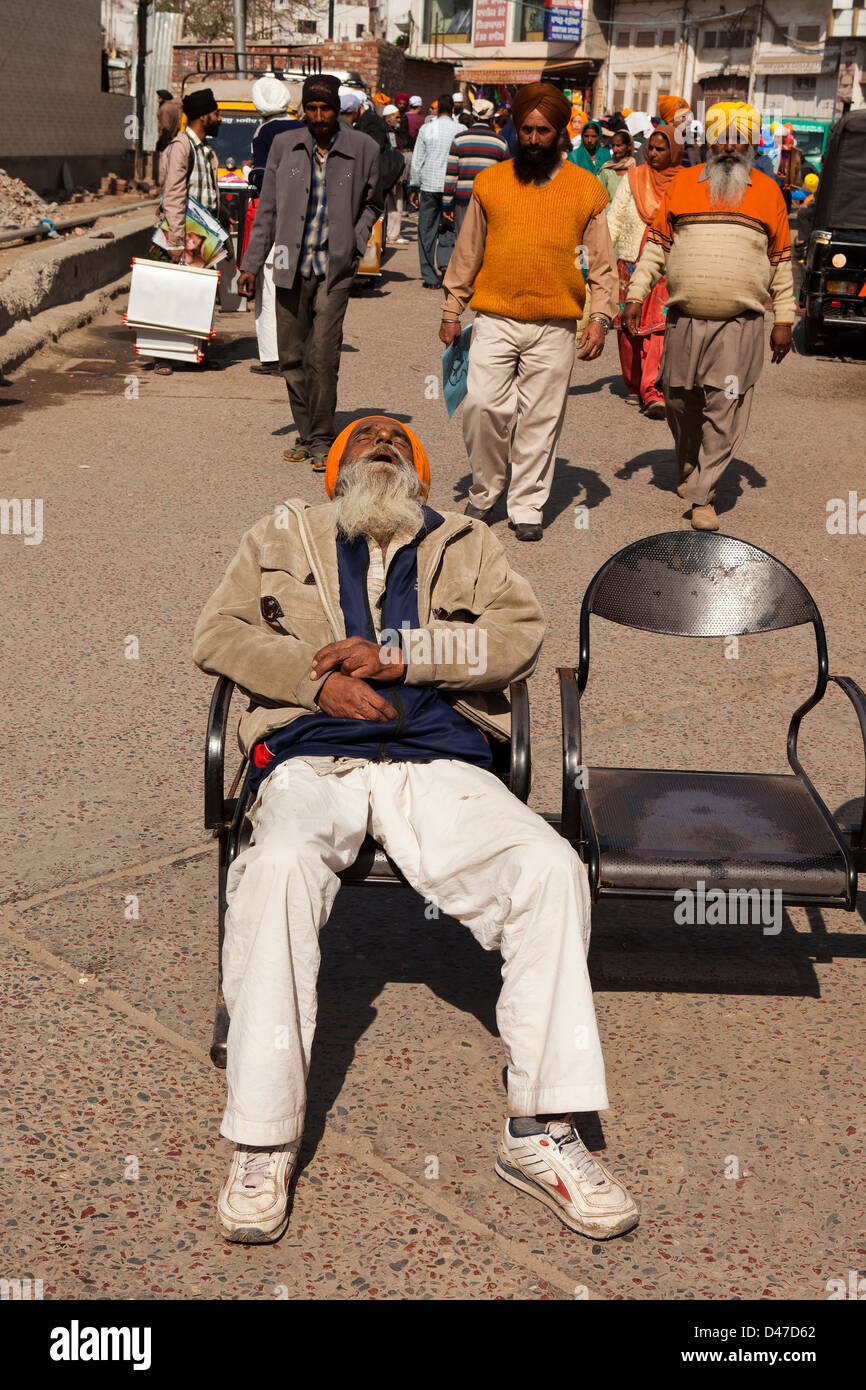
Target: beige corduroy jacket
{"x":279,"y":603}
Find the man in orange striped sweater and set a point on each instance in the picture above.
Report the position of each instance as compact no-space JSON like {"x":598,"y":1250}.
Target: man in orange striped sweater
{"x":534,"y":237}
{"x":721,"y":235}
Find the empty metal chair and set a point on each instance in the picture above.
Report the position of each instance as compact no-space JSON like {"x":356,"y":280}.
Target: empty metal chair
{"x":647,"y":833}
{"x":226,"y":815}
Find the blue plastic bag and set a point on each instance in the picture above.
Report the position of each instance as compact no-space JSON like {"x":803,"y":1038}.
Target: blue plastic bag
{"x":455,"y":368}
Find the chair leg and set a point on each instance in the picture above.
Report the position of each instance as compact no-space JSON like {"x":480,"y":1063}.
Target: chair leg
{"x":218,"y":1047}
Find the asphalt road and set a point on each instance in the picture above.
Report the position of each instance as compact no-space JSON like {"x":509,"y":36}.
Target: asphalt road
{"x":735,"y":1060}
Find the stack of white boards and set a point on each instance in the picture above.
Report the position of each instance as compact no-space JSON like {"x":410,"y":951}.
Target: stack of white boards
{"x":171,"y":307}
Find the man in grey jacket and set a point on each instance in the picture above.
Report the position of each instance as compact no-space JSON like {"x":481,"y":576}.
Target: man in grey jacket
{"x":321,"y":194}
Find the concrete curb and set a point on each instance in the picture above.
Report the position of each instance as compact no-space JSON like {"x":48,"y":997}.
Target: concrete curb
{"x":57,"y":288}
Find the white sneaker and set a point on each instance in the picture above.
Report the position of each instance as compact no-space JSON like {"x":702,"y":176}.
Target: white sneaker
{"x":253,"y":1206}
{"x":555,"y":1167}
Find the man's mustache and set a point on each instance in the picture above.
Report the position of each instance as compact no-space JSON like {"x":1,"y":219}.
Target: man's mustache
{"x":391,"y":450}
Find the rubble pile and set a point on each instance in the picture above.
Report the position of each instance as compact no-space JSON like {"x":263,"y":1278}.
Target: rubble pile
{"x":19,"y":205}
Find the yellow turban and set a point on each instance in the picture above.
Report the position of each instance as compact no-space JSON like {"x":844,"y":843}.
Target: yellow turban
{"x":734,"y":117}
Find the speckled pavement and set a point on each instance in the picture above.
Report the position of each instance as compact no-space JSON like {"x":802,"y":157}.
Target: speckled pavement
{"x":735,"y":1060}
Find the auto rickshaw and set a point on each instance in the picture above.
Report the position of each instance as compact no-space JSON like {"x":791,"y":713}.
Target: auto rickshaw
{"x":833,"y":231}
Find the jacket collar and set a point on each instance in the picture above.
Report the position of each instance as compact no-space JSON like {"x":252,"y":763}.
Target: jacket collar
{"x":318,"y":531}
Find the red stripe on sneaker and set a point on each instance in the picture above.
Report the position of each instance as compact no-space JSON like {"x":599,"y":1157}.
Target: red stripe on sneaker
{"x":562,"y":1189}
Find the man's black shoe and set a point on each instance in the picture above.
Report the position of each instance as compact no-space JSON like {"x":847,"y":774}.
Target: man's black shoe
{"x":477,"y":513}
{"x":266,"y":368}
{"x":528,"y":531}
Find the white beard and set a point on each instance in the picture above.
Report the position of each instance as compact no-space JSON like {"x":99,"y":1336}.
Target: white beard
{"x":728,"y":181}
{"x":378,"y":502}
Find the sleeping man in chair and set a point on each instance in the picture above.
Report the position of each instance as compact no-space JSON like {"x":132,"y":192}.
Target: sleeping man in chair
{"x":376,"y":639}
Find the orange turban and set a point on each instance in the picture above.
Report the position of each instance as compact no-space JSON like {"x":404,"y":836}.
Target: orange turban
{"x":670,"y":105}
{"x":543,"y":97}
{"x":335,"y":453}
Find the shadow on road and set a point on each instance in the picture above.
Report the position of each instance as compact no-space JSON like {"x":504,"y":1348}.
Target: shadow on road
{"x":635,"y":947}
{"x":573,"y":485}
{"x":588,"y":388}
{"x":569,"y":485}
{"x":344,"y":417}
{"x":662,"y":464}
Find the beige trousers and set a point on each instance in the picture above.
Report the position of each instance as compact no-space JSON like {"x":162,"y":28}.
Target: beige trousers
{"x":522,"y":367}
{"x":708,"y":373}
{"x":708,"y":426}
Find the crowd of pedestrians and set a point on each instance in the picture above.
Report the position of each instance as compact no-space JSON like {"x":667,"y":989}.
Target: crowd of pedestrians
{"x":551,"y":227}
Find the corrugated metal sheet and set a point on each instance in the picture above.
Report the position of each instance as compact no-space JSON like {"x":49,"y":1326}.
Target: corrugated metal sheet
{"x":164,"y":30}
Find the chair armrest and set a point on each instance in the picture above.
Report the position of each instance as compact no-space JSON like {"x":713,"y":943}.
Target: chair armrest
{"x":214,"y":755}
{"x":858,"y":700}
{"x":569,"y":697}
{"x":520,"y":773}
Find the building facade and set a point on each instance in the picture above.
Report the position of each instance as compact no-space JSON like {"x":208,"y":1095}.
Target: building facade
{"x":787,"y":63}
{"x":500,"y":43}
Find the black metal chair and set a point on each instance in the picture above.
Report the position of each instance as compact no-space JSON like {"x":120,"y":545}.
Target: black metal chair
{"x":226,"y":814}
{"x":647,"y":833}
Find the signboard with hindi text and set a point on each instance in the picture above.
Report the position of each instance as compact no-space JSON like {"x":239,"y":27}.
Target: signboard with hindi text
{"x":491,"y":23}
{"x":563,"y":22}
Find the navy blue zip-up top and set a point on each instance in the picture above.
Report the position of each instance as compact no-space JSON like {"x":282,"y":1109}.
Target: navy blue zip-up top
{"x":426,"y":727}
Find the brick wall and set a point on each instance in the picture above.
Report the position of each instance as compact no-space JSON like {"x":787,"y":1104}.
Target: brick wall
{"x":383,"y":66}
{"x":52,"y":108}
{"x":427,"y":80}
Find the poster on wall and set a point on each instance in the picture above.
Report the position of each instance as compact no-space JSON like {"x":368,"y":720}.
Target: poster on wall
{"x":491,"y":22}
{"x":563,"y":22}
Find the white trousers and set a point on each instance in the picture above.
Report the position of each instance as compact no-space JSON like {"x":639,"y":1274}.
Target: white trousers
{"x":394,"y":211}
{"x":266,"y":312}
{"x":522,"y":367}
{"x":471,"y":848}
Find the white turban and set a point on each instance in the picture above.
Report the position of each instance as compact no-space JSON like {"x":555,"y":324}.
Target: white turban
{"x":458,"y":96}
{"x":483,"y":109}
{"x":271,"y":97}
{"x":390,"y":110}
{"x":415,"y":101}
{"x":350,"y":100}
{"x":639,"y":123}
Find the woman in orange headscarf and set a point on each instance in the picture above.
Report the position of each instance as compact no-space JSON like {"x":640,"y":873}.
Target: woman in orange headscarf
{"x":632,"y":212}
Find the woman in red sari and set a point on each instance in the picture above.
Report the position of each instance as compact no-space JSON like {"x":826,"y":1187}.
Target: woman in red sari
{"x":631,"y":213}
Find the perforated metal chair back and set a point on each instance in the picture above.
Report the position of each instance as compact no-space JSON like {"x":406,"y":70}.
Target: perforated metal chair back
{"x":697,"y":584}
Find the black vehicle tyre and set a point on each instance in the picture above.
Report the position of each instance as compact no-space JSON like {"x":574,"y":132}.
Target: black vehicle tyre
{"x":811,"y":334}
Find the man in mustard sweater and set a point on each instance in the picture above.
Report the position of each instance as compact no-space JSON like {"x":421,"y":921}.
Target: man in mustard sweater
{"x":721,"y":235}
{"x":533,"y":238}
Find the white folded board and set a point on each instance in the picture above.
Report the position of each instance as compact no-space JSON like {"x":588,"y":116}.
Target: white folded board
{"x":158,"y":340}
{"x":173,"y":354}
{"x":177,"y":297}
